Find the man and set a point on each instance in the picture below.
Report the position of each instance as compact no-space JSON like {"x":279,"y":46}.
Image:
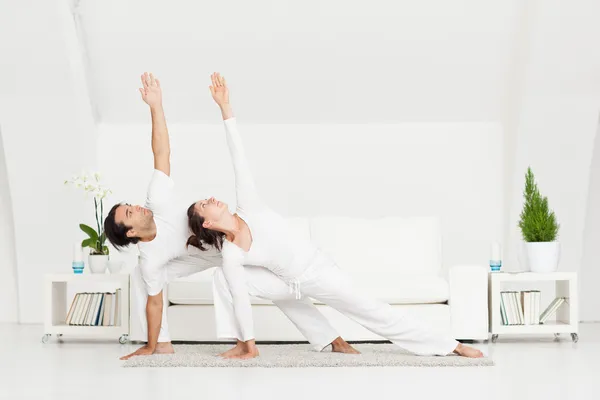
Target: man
{"x":160,"y":230}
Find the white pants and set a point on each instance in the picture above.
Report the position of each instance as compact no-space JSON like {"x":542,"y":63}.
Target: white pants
{"x":329,"y":285}
{"x":303,"y":314}
{"x":265,"y":284}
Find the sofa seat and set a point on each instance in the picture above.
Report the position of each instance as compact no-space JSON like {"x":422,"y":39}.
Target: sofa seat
{"x":411,"y":289}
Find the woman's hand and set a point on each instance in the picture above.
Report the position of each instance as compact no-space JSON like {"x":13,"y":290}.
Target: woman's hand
{"x":220,"y":94}
{"x":219,"y":90}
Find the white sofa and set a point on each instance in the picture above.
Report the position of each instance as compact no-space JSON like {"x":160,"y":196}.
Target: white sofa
{"x":398,"y":260}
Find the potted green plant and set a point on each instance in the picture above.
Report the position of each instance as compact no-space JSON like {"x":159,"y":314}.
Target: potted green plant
{"x":96,"y":240}
{"x":539,"y":229}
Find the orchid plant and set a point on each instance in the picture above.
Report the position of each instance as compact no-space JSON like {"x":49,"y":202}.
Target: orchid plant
{"x":91,"y":185}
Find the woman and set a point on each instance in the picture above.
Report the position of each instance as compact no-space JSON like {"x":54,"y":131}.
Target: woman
{"x":256,"y":235}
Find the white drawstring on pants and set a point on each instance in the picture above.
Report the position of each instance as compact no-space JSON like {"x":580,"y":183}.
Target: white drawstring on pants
{"x":294,"y":285}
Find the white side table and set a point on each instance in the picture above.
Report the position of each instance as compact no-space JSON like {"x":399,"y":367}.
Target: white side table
{"x":55,"y":307}
{"x":567,"y":316}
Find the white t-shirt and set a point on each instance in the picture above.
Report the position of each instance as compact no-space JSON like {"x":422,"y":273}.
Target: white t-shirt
{"x":172,"y":233}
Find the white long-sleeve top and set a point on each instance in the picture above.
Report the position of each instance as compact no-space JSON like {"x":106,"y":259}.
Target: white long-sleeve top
{"x":274,"y":245}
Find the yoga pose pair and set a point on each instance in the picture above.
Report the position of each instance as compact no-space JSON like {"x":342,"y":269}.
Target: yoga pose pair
{"x":256,"y":252}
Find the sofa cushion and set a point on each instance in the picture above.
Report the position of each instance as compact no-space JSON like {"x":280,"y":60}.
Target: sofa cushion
{"x":390,"y":247}
{"x":197,"y":289}
{"x":410,"y":289}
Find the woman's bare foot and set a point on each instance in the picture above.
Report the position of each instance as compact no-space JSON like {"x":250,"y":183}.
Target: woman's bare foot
{"x":235,"y":352}
{"x":249,"y":350}
{"x":339,"y":345}
{"x":467,"y":351}
{"x":248,"y":353}
{"x":164,"y":348}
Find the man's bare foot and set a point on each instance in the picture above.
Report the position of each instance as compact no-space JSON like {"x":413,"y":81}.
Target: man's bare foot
{"x":164,"y":348}
{"x":467,"y":351}
{"x":339,"y":345}
{"x":234,"y":352}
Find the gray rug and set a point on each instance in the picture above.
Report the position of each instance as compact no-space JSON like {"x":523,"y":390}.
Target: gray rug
{"x":301,"y":356}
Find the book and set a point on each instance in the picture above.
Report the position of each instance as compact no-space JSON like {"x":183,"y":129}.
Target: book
{"x":112,"y":310}
{"x":519,"y":308}
{"x":506,"y":306}
{"x":78,"y":308}
{"x":533,"y":313}
{"x":514,"y":305}
{"x":503,"y":309}
{"x":511,"y":315}
{"x":107,"y":309}
{"x":84,"y":309}
{"x":551,"y":309}
{"x":72,"y":309}
{"x":526,"y":307}
{"x":118,"y":304}
{"x":92,"y":309}
{"x":99,"y":313}
{"x":538,"y":298}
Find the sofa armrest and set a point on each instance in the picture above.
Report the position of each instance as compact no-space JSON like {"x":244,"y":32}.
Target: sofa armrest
{"x":469,"y":302}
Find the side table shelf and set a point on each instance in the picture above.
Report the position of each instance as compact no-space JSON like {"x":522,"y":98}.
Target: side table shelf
{"x":56,"y":307}
{"x":567,"y":316}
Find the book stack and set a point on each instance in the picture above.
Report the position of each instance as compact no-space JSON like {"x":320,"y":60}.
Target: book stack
{"x":95,"y":309}
{"x":523,"y":308}
{"x":520,"y":308}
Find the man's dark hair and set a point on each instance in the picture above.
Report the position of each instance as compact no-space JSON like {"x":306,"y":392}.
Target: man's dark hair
{"x":201,"y":235}
{"x":117,"y":233}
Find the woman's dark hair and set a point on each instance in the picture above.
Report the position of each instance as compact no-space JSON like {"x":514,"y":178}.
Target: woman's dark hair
{"x":117,"y":233}
{"x":201,"y":235}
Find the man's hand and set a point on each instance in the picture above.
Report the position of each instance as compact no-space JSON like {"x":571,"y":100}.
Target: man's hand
{"x":142,"y":351}
{"x":151,"y":92}
{"x":219,"y":90}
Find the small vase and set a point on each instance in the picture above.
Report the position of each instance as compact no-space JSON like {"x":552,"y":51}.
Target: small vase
{"x":98,"y":263}
{"x":543,"y":257}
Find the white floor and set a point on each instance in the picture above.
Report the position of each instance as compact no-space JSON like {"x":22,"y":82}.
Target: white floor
{"x":534,"y":368}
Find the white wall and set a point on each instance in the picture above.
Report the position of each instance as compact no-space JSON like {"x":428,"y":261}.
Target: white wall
{"x":532,"y":67}
{"x":557,"y":121}
{"x":311,"y":61}
{"x":590,"y":271}
{"x":9,"y":312}
{"x":558,"y":117}
{"x":369,"y":171}
{"x":48,"y":135}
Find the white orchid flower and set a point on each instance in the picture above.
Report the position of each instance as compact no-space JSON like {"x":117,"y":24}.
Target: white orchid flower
{"x":90,"y":187}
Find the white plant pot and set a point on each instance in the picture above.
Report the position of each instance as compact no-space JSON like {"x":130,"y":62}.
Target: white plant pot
{"x":98,"y":263}
{"x":543,"y":256}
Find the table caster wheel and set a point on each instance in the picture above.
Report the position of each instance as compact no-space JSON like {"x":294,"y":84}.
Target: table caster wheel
{"x":494,"y":338}
{"x":575,"y":337}
{"x":123,"y":339}
{"x":45,"y":338}
{"x":556,"y":335}
{"x":59,"y":335}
